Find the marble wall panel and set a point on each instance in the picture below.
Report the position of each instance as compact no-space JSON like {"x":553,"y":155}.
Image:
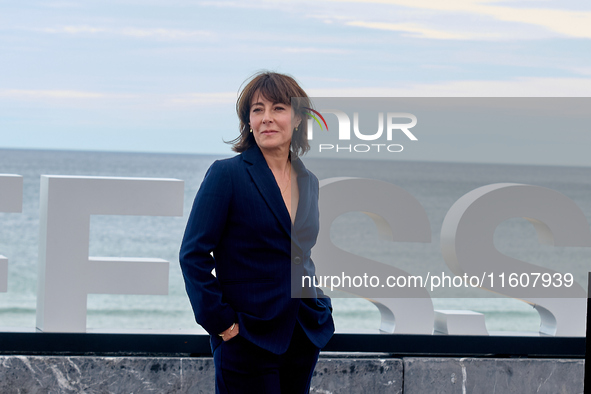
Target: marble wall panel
{"x":487,"y":376}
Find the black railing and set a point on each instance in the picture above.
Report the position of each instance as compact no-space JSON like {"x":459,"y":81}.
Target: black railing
{"x":198,"y":345}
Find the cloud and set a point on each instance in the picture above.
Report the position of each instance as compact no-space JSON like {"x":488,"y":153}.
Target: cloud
{"x":77,"y":98}
{"x":415,"y":30}
{"x":49,"y":94}
{"x":315,"y":50}
{"x":74,"y":30}
{"x":564,"y":22}
{"x":202,"y":98}
{"x":580,"y":70}
{"x":157,"y":33}
{"x":62,"y":4}
{"x":518,"y":87}
{"x":432,"y":19}
{"x":166,"y":34}
{"x":569,"y":23}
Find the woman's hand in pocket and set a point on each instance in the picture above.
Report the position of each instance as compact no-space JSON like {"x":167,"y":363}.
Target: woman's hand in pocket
{"x":230,"y":333}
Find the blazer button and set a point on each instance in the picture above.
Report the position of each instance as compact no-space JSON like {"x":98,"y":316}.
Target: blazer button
{"x":297,"y":260}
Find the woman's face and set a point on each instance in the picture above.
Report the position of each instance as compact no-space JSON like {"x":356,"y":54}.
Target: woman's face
{"x":271,"y":123}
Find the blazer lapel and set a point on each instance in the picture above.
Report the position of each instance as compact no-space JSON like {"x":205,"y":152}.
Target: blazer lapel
{"x":265,"y":182}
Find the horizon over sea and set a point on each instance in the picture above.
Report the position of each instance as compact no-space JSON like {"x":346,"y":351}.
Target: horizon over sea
{"x":436,"y":185}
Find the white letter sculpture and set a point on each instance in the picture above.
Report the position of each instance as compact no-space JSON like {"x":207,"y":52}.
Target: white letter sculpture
{"x":11,"y":200}
{"x":66,"y":273}
{"x":399,"y":217}
{"x":467,"y":245}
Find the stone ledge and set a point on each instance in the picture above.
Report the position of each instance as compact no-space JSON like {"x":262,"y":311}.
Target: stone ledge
{"x":361,"y":375}
{"x":364,"y":374}
{"x":90,"y":374}
{"x":487,"y":376}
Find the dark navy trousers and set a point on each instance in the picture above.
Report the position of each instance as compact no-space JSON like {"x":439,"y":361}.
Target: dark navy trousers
{"x":242,"y":367}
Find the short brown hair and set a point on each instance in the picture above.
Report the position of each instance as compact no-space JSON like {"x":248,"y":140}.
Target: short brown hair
{"x":277,"y":88}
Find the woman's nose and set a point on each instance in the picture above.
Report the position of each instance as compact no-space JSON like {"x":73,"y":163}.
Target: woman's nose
{"x":266,"y":118}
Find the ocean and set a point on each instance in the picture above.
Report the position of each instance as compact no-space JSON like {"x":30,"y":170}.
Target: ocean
{"x":435,"y":185}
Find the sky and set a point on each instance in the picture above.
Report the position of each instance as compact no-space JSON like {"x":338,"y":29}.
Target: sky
{"x":163,"y":76}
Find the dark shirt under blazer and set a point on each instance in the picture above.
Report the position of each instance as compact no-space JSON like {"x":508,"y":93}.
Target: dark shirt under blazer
{"x":240,"y":216}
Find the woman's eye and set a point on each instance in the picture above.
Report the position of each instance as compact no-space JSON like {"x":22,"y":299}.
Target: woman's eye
{"x":279,"y":108}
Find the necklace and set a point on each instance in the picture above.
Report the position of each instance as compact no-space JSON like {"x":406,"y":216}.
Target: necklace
{"x":288,"y":182}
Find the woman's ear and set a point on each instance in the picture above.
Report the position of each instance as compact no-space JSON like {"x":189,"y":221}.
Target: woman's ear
{"x":297,"y":120}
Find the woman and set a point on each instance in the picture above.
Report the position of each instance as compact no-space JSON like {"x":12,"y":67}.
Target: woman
{"x":255,"y":220}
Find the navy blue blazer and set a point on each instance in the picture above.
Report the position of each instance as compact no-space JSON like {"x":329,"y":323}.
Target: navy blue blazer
{"x":240,"y":216}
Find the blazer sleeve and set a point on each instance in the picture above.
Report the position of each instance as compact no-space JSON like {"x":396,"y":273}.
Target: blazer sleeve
{"x":322,"y":298}
{"x":204,"y":229}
